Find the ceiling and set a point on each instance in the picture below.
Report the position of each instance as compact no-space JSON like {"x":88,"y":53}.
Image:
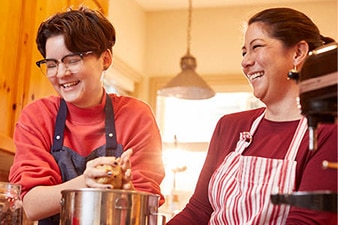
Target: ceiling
{"x":156,"y":5}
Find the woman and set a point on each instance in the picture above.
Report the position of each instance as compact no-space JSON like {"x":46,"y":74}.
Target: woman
{"x":259,"y":152}
{"x":61,"y":140}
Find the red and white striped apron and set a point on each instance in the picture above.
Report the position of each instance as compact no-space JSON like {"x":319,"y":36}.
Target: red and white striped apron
{"x":240,"y":189}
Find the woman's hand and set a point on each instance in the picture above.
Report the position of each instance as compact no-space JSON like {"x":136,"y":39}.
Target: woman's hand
{"x":92,"y":172}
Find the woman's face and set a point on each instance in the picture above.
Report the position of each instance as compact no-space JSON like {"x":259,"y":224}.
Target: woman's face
{"x":82,"y":88}
{"x":266,"y":63}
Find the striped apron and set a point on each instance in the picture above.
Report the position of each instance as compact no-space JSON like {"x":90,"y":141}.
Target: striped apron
{"x":240,"y":189}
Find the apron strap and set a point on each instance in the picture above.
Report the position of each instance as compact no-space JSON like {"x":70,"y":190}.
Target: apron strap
{"x":59,"y":126}
{"x":245,"y":138}
{"x":256,"y":123}
{"x":112,"y":148}
{"x":297,"y":139}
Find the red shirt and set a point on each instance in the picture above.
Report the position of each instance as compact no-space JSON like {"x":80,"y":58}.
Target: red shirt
{"x":136,"y":128}
{"x":270,"y":140}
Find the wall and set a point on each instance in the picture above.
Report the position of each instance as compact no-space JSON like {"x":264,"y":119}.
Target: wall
{"x":129,"y":20}
{"x":216,"y":36}
{"x":216,"y":40}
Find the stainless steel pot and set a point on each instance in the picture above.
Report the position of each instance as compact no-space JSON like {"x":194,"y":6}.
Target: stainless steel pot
{"x":90,"y":206}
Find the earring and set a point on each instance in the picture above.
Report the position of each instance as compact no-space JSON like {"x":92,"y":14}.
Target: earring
{"x":293,"y":73}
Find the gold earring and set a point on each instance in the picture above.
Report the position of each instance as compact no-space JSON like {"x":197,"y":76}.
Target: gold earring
{"x":293,"y":73}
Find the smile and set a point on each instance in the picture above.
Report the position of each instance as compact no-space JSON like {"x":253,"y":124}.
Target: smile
{"x":71,"y":84}
{"x":254,"y":76}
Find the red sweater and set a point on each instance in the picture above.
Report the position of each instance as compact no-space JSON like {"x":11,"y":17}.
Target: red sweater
{"x":136,"y":128}
{"x":271,"y":140}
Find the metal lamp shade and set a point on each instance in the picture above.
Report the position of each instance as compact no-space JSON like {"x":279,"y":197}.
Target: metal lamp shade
{"x":187,"y":84}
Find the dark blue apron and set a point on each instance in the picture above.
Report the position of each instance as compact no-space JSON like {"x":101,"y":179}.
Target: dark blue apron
{"x":72,"y":164}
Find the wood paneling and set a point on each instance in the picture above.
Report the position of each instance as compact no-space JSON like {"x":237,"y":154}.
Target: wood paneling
{"x":10,"y":13}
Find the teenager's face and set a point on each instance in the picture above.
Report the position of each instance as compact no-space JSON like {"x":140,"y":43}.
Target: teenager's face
{"x":83,"y":87}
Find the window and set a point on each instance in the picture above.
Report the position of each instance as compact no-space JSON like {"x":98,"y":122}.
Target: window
{"x":195,"y":120}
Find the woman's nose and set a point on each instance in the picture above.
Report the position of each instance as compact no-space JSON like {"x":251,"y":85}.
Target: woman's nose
{"x":247,"y":61}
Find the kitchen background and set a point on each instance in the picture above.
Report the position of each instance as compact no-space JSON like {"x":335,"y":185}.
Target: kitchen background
{"x":151,"y":39}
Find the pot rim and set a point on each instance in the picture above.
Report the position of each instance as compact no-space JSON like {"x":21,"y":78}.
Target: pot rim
{"x":116,"y":191}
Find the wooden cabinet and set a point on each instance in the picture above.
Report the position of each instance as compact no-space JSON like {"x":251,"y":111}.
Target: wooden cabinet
{"x":20,"y":79}
{"x":10,"y":13}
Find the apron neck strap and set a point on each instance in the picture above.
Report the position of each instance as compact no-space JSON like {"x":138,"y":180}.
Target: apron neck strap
{"x":112,"y":148}
{"x":246,"y":137}
{"x":111,"y":141}
{"x":59,"y":126}
{"x":297,"y":139}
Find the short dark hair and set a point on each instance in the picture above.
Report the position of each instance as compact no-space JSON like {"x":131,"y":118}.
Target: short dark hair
{"x":84,"y":30}
{"x":290,"y":26}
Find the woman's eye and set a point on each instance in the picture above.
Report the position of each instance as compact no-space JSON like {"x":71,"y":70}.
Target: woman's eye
{"x":73,"y":61}
{"x":51,"y":65}
{"x":256,"y":46}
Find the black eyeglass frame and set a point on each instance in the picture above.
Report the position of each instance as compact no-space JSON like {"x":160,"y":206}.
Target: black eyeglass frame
{"x":57,"y":62}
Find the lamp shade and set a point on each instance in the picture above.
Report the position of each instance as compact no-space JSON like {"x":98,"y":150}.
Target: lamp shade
{"x":187,"y":84}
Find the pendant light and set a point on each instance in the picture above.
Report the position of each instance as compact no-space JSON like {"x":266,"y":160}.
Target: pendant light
{"x":187,"y":84}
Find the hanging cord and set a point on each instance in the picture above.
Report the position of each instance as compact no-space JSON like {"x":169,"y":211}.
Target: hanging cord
{"x":189,"y":27}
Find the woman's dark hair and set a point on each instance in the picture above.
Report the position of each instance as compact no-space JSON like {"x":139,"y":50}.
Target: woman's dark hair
{"x":83,"y":29}
{"x":290,"y":26}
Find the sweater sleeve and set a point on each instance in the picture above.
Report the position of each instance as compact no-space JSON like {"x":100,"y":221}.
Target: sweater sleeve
{"x":33,"y":164}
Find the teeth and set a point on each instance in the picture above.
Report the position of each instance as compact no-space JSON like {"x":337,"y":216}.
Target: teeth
{"x":70,"y":84}
{"x":255,"y":75}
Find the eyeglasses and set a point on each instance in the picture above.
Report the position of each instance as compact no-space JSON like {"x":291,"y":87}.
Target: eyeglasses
{"x":72,"y":62}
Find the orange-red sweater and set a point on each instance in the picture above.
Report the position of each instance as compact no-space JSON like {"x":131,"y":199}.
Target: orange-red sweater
{"x":136,"y":128}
